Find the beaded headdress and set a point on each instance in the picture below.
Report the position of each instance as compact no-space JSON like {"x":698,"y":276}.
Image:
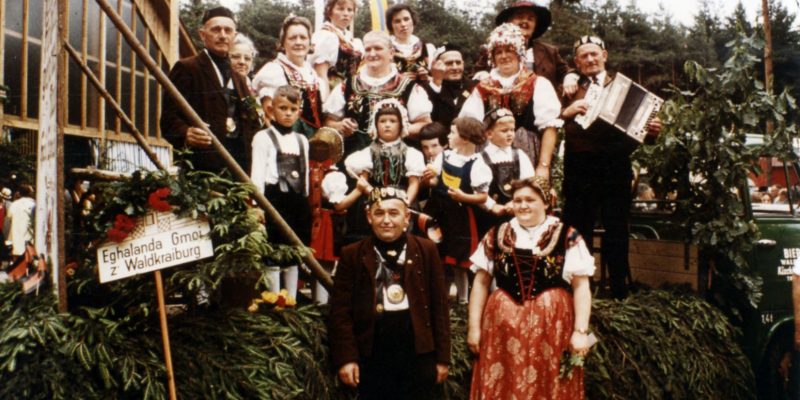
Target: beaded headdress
{"x":388,"y":103}
{"x":506,"y":34}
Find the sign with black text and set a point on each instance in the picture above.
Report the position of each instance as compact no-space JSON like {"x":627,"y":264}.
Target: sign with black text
{"x":159,"y":240}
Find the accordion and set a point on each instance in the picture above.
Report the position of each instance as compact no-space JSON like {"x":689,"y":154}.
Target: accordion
{"x":623,"y":104}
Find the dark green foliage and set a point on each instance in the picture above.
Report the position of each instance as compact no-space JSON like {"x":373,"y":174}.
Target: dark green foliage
{"x":17,"y":162}
{"x":654,"y":345}
{"x":662,"y":345}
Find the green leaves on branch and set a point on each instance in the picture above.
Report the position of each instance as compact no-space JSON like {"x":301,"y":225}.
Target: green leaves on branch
{"x":701,"y":154}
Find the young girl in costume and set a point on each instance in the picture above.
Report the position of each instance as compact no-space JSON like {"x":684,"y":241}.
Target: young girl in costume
{"x":461,"y":187}
{"x":387,"y":161}
{"x":280,"y":171}
{"x":337,"y":54}
{"x":540,"y":309}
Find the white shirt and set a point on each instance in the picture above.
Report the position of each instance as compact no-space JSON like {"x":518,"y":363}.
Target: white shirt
{"x":361,"y":161}
{"x":578,"y":261}
{"x":271,"y":76}
{"x":546,"y":105}
{"x":264,"y":167}
{"x":505,"y":154}
{"x":20,"y":213}
{"x":326,"y":46}
{"x":480,"y":176}
{"x":418,"y":106}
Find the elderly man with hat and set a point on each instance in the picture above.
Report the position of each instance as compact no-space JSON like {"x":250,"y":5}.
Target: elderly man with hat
{"x":389,"y":328}
{"x":597,"y":166}
{"x":540,"y":57}
{"x":217,"y":93}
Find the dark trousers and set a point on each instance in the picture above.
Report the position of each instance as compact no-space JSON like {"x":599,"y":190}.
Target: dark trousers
{"x":395,"y":371}
{"x":601,"y":183}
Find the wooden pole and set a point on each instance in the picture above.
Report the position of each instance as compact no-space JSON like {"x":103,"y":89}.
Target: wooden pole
{"x":113,"y":103}
{"x":272,"y":214}
{"x":162,"y":316}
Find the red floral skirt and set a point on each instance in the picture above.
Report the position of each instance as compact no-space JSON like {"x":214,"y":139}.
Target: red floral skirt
{"x":521,"y":348}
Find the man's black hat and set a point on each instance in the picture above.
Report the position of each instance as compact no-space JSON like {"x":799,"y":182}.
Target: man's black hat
{"x":543,"y":17}
{"x":218,"y":12}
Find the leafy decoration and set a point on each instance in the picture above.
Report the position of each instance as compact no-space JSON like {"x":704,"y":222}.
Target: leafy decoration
{"x":701,"y":154}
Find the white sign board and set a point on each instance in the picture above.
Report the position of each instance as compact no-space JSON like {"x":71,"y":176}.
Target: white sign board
{"x":47,"y":181}
{"x":159,"y":240}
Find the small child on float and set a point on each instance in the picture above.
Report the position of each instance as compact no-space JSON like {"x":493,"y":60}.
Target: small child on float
{"x":460,"y":189}
{"x":387,"y":162}
{"x":329,"y":201}
{"x":506,"y":162}
{"x":280,"y":172}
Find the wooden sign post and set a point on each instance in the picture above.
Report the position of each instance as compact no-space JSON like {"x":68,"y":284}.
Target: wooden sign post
{"x":159,"y":240}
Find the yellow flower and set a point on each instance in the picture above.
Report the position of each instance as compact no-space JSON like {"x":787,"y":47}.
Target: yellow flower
{"x":290,"y":301}
{"x":284,"y":293}
{"x":269,"y":297}
{"x":253,"y":308}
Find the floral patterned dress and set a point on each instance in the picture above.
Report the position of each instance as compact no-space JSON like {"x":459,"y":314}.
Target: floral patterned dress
{"x":527,"y":325}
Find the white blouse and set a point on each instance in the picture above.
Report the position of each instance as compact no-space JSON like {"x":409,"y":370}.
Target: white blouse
{"x":480,"y":176}
{"x":334,"y":186}
{"x":546,"y":105}
{"x":264,"y":165}
{"x":271,"y":76}
{"x":418,"y":106}
{"x":578,"y":261}
{"x":361,"y":161}
{"x":326,"y":46}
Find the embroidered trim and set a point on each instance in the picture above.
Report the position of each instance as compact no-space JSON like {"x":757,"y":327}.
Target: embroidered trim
{"x":516,"y":98}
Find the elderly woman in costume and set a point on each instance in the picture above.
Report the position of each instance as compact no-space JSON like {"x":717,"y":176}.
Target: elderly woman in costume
{"x":351,"y":104}
{"x":410,"y":53}
{"x":540,"y":310}
{"x":242,"y":54}
{"x":540,"y":57}
{"x":290,"y":67}
{"x":531,"y":98}
{"x":336,"y":53}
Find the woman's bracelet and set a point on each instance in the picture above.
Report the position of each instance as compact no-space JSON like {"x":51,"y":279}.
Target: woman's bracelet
{"x":582,"y":331}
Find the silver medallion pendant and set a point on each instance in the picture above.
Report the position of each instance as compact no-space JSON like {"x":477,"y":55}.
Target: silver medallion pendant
{"x":295,"y":174}
{"x":395,"y":294}
{"x":230,"y":125}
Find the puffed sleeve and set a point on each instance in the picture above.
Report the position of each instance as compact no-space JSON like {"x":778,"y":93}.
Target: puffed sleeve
{"x":334,"y":186}
{"x":473,"y":107}
{"x":419,"y":105}
{"x":268,"y":78}
{"x":546,"y":105}
{"x":326,"y":48}
{"x":525,"y":166}
{"x":415,"y":162}
{"x":480,"y":261}
{"x":480,"y":176}
{"x":335,"y":103}
{"x":359,"y":162}
{"x":578,"y":261}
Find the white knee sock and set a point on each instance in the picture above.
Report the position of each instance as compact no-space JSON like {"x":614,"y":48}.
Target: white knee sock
{"x":274,"y":275}
{"x":289,"y":275}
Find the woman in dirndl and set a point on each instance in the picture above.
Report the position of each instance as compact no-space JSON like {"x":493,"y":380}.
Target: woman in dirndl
{"x":540,"y":310}
{"x":291,"y":67}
